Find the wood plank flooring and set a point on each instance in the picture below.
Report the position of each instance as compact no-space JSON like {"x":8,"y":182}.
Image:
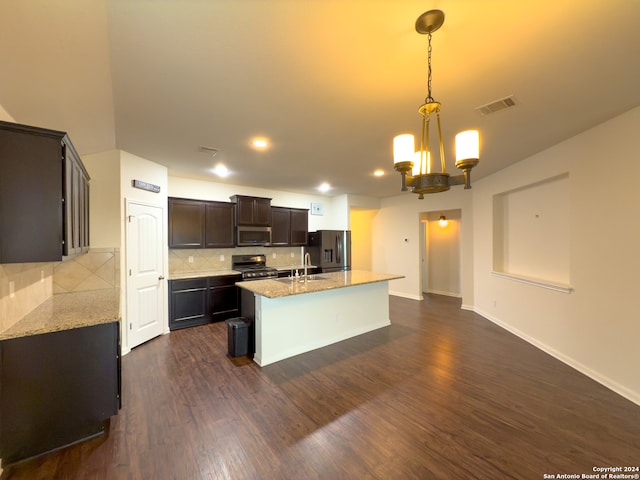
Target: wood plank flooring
{"x":440,"y":394}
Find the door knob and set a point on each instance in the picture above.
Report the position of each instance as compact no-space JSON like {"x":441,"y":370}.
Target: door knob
{"x":161,"y":277}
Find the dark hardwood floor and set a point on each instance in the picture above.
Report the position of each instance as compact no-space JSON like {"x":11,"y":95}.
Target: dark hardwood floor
{"x":440,"y":394}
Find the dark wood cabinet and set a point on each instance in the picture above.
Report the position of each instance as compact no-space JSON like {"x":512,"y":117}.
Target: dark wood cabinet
{"x":224,"y":301}
{"x":186,"y":223}
{"x":252,"y":211}
{"x":198,"y":301}
{"x":44,"y":196}
{"x":290,"y":226}
{"x":201,"y":224}
{"x":76,"y":203}
{"x":299,"y":227}
{"x":57,"y":389}
{"x":280,"y":226}
{"x":188,"y":303}
{"x":219,"y":225}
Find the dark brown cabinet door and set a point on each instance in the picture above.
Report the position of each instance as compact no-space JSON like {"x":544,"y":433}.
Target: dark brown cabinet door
{"x":188,"y":303}
{"x":186,"y":223}
{"x":57,"y":388}
{"x":262,"y":212}
{"x":254,"y":211}
{"x":220,"y":225}
{"x":30,"y":199}
{"x":224,"y":297}
{"x":198,"y":301}
{"x":280,"y":226}
{"x":76,"y":203}
{"x":299,"y":227}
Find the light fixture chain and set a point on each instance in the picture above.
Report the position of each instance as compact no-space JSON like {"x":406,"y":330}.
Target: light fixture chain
{"x":429,"y":98}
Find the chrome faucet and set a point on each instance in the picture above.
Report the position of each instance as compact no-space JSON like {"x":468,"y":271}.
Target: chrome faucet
{"x":307,"y":262}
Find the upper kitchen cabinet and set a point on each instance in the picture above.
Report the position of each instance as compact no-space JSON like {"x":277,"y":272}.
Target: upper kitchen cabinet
{"x":201,"y":224}
{"x":290,"y":226}
{"x":299,"y":227}
{"x":252,"y":211}
{"x":220,"y":224}
{"x":186,"y":223}
{"x":44,"y":196}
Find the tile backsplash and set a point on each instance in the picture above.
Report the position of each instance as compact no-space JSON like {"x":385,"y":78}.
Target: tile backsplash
{"x":212,"y":259}
{"x":24,"y":286}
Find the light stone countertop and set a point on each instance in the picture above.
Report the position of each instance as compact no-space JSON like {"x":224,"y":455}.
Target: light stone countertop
{"x":204,"y":273}
{"x":216,"y":273}
{"x":285,"y":287}
{"x":67,"y":311}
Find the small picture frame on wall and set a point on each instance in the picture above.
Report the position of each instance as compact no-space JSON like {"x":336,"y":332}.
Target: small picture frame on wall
{"x":317,"y":209}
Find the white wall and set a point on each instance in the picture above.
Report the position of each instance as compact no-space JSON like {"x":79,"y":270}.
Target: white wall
{"x":396,"y":239}
{"x":595,"y":328}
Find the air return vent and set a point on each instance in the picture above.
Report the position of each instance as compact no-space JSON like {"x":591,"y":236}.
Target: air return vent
{"x":497,"y":106}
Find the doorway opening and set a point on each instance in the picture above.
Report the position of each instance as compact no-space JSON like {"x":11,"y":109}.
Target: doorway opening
{"x":441,"y":266}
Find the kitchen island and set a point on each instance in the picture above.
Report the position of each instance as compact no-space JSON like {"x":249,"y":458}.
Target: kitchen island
{"x":293,"y":316}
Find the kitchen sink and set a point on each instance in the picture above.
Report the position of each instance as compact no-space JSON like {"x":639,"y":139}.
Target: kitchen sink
{"x":301,"y":279}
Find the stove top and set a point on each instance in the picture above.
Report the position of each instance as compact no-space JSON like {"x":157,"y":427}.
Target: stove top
{"x":253,"y":267}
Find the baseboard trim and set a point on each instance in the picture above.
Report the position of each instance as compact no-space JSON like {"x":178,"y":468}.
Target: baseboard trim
{"x":567,"y":360}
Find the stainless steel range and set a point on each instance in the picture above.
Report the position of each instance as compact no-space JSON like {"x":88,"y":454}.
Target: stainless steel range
{"x":253,"y":267}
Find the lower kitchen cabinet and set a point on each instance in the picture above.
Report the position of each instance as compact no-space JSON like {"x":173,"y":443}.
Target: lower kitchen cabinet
{"x":57,"y":389}
{"x":188,"y":301}
{"x":198,"y":301}
{"x":224,"y":297}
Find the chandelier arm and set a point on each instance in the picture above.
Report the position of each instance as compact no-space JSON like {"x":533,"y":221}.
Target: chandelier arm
{"x":444,"y":166}
{"x":424,"y":147}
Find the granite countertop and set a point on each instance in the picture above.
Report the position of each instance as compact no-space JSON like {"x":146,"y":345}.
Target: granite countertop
{"x":285,"y":287}
{"x":205,"y":273}
{"x":66,"y":311}
{"x":216,"y":273}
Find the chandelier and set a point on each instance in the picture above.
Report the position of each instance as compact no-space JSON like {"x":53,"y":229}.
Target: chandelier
{"x":415,"y":166}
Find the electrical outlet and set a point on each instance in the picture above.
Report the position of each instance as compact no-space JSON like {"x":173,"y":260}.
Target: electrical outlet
{"x":273,"y":255}
{"x":495,"y":304}
{"x":12,"y":289}
{"x":292,"y":254}
{"x":222,"y":258}
{"x":190,"y":259}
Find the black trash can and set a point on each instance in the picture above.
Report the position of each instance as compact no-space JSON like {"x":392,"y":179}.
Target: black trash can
{"x":238,"y":336}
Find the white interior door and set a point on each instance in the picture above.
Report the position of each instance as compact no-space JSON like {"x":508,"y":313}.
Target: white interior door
{"x":145,"y":273}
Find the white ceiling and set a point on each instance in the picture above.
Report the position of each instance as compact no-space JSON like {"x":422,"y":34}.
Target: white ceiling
{"x":330,"y":82}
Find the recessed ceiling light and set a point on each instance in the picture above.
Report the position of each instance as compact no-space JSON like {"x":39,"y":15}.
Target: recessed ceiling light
{"x":220,"y":170}
{"x":379,"y":172}
{"x":325,"y":187}
{"x":260,"y":143}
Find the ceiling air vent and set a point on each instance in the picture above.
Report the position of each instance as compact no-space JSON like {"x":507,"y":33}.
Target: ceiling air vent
{"x":497,"y":106}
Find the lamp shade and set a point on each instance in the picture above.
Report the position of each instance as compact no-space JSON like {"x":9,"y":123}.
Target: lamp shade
{"x":421,"y":163}
{"x":403,"y":148}
{"x":467,"y":145}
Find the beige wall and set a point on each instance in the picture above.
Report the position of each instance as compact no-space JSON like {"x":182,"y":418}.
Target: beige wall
{"x":442,"y":254}
{"x":104,"y":202}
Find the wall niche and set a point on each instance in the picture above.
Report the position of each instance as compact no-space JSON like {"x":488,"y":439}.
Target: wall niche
{"x":531,"y":233}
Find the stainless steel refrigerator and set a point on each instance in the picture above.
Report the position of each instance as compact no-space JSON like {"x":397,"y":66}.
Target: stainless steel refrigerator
{"x":330,"y":250}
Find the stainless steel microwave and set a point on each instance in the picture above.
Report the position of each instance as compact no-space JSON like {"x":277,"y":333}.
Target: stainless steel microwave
{"x":248,"y":236}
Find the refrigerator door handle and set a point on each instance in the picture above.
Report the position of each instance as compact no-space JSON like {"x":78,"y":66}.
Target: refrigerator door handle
{"x":339,"y":249}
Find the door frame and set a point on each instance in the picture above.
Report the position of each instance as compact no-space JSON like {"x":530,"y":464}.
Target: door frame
{"x":124,"y":331}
